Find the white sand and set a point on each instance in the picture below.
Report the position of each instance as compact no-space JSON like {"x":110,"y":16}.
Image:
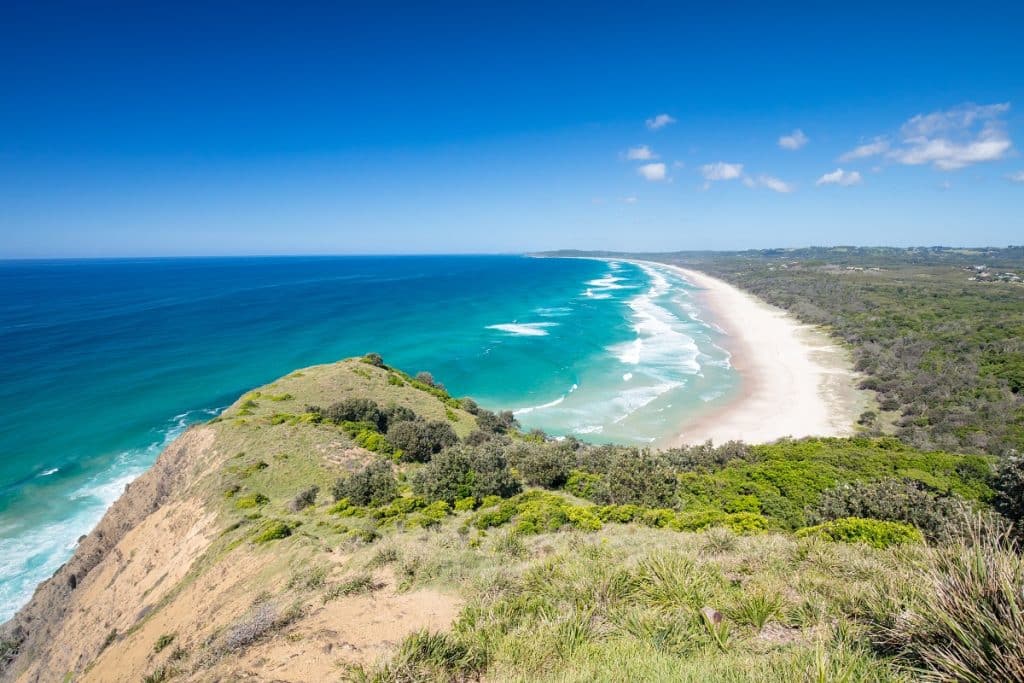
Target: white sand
{"x":795,"y":380}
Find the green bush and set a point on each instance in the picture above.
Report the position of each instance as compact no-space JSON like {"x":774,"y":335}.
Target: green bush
{"x":356,"y":410}
{"x":303,"y":499}
{"x":374,"y":484}
{"x":163,"y":641}
{"x":1009,"y":485}
{"x":272,"y":531}
{"x":584,"y":484}
{"x":465,"y":504}
{"x":464,"y":472}
{"x":892,"y":500}
{"x":250,"y":501}
{"x":541,"y":464}
{"x":419,"y":440}
{"x":373,"y":441}
{"x":873,"y":532}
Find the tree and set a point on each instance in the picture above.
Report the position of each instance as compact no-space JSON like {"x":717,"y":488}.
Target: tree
{"x":374,"y":484}
{"x":421,"y":439}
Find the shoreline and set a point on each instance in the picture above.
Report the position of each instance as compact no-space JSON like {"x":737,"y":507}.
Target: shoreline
{"x":796,"y":381}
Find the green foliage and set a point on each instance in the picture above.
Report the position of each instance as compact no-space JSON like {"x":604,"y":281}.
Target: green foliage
{"x":373,"y":441}
{"x":463,"y":472}
{"x":374,"y":359}
{"x":271,"y":531}
{"x":539,"y":464}
{"x":894,"y":500}
{"x":304,"y":498}
{"x":419,"y":440}
{"x":250,"y":501}
{"x":584,"y":484}
{"x":354,"y":585}
{"x":374,"y":484}
{"x":756,"y":609}
{"x":465,"y":504}
{"x":873,"y":532}
{"x":788,"y":478}
{"x":1009,"y":487}
{"x":163,"y":641}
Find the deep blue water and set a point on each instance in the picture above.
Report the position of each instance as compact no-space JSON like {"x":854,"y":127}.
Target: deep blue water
{"x":102,"y":362}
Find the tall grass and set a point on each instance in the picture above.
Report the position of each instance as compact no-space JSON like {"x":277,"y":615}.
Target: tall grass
{"x":969,"y":623}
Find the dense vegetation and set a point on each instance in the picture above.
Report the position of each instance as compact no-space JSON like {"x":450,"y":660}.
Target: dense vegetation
{"x":944,"y":353}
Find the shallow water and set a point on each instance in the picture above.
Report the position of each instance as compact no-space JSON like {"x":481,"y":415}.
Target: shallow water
{"x":104,"y":362}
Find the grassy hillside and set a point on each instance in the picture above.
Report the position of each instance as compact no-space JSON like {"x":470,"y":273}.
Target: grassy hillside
{"x":349,"y":522}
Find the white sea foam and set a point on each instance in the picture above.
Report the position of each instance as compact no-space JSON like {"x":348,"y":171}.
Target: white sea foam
{"x":589,"y":429}
{"x":549,"y":404}
{"x":523,"y":329}
{"x":46,"y":473}
{"x":659,"y":342}
{"x":632,"y":400}
{"x":628,"y":376}
{"x":553,"y":311}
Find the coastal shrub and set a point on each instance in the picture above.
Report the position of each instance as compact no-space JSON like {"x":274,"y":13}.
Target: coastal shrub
{"x":250,"y":501}
{"x":469,"y":405}
{"x":431,"y":515}
{"x":873,"y":532}
{"x":968,"y":624}
{"x":374,"y":359}
{"x":463,"y":472}
{"x":272,"y":531}
{"x":374,"y":484}
{"x":639,"y":477}
{"x":304,"y":498}
{"x":465,"y":504}
{"x":373,"y":441}
{"x":707,"y":456}
{"x":585,"y":484}
{"x":893,"y":500}
{"x":356,"y":410}
{"x":419,"y":440}
{"x":541,"y":465}
{"x":495,"y":423}
{"x":1009,"y":486}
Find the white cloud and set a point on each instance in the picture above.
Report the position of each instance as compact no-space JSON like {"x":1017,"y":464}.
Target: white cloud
{"x":629,"y":200}
{"x":951,"y":139}
{"x":1017,"y":177}
{"x":653,"y":172}
{"x":773,"y":183}
{"x":959,"y":118}
{"x":641,"y":153}
{"x":874,"y":148}
{"x":840,"y":177}
{"x":721,"y":171}
{"x":660,"y":121}
{"x":794,"y":140}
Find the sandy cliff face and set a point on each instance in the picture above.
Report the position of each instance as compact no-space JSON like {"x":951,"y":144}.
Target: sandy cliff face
{"x":102,"y":587}
{"x":174,"y":581}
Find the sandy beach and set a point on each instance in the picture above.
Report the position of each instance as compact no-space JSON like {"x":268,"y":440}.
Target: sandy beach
{"x":796,"y":381}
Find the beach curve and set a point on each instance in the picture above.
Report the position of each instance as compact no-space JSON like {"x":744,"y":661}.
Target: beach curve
{"x":796,"y":380}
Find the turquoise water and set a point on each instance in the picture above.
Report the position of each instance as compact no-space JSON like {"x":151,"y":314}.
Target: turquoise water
{"x":103,"y":362}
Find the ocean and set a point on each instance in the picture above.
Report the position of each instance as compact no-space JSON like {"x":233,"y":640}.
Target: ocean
{"x":104,"y":362}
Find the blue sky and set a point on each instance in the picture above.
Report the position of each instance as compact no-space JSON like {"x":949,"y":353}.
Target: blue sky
{"x":255,"y":128}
